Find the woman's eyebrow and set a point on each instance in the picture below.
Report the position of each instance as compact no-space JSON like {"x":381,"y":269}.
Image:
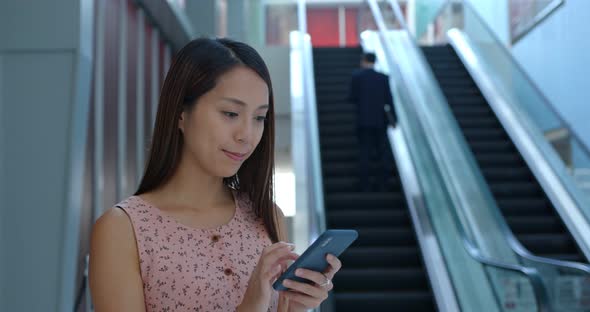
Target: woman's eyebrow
{"x":242,"y":103}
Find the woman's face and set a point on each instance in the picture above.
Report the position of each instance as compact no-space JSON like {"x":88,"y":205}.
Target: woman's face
{"x":226,"y":123}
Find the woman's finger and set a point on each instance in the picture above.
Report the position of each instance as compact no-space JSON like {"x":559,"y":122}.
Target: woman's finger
{"x":306,"y":289}
{"x":313,"y":276}
{"x":335,"y":266}
{"x":307,"y":301}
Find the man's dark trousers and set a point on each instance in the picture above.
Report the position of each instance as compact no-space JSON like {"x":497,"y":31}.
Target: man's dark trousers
{"x":373,"y":149}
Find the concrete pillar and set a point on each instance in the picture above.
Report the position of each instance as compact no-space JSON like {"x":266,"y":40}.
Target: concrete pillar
{"x":45,"y":75}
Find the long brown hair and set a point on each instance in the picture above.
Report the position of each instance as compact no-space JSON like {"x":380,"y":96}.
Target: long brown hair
{"x":195,"y":71}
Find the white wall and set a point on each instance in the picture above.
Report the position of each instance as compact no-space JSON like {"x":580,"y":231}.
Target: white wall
{"x":278,"y":62}
{"x":495,"y":14}
{"x":556,"y":54}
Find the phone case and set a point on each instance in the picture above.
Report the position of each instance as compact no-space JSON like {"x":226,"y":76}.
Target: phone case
{"x":314,"y":258}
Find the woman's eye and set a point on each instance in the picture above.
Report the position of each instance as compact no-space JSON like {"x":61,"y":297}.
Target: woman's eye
{"x":230,"y":114}
{"x":261,"y":118}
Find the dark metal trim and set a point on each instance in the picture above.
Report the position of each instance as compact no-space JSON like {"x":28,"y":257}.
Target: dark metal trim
{"x":168,"y":21}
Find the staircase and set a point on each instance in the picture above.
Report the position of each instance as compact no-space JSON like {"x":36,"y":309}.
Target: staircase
{"x":383,"y":269}
{"x":528,"y":212}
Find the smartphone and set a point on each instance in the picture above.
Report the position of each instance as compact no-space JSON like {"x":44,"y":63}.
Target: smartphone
{"x":332,"y":242}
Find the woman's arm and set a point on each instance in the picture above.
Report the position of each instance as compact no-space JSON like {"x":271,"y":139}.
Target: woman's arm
{"x":114,"y":273}
{"x":283,"y":305}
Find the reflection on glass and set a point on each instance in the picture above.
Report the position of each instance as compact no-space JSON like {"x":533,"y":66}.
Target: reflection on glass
{"x":525,"y":14}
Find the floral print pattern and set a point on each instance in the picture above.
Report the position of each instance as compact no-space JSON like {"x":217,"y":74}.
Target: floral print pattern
{"x":191,"y":269}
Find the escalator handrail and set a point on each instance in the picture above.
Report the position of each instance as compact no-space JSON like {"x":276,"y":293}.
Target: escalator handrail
{"x":525,"y":253}
{"x":532,"y":274}
{"x":514,"y":243}
{"x":504,"y":50}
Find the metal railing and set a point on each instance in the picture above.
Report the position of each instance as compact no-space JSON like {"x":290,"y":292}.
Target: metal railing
{"x":554,"y":274}
{"x":420,"y":100}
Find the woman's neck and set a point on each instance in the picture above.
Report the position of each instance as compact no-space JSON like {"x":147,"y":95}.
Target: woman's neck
{"x":192,"y":188}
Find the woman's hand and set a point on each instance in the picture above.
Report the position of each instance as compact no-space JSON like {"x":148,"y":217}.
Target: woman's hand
{"x":304,"y":296}
{"x":273,"y":260}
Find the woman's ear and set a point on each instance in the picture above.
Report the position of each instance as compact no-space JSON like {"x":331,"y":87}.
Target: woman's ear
{"x":181,"y":121}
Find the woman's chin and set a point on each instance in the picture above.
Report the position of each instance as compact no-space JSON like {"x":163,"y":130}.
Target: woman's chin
{"x":229,"y":173}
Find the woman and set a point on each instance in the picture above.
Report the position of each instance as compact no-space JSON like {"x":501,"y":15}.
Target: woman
{"x":202,"y":232}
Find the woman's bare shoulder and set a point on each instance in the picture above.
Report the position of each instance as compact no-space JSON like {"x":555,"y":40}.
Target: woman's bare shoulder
{"x":115,"y":276}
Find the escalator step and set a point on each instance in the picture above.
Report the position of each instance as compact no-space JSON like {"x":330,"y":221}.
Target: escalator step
{"x":384,"y":301}
{"x":355,"y":200}
{"x":380,"y":257}
{"x":528,"y":211}
{"x":385,"y":236}
{"x":360,"y":218}
{"x":348,"y":169}
{"x":497,"y":160}
{"x":386,"y":258}
{"x":407,"y":279}
{"x":484,"y":134}
{"x":491,"y":146}
{"x":507,"y":174}
{"x":331,"y":119}
{"x":524,"y":207}
{"x":548,"y":243}
{"x":352,"y":184}
{"x":531,"y":225}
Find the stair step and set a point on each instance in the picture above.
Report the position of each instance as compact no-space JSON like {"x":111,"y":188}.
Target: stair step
{"x":385,"y":259}
{"x":342,"y":118}
{"x":360,"y":218}
{"x":380,"y":257}
{"x":348,"y":155}
{"x":385,"y":236}
{"x":505,"y":189}
{"x":352,"y":183}
{"x":490,"y":146}
{"x":547,"y":243}
{"x":330,"y":109}
{"x":494,"y":160}
{"x":467,"y":101}
{"x":461,"y":91}
{"x":355,"y":200}
{"x":348,"y":169}
{"x":484,"y":134}
{"x":534,"y":225}
{"x":524,"y":207}
{"x":495,"y":174}
{"x":521,"y":200}
{"x":344,"y":130}
{"x":384,"y":301}
{"x":407,"y":279}
{"x":478,"y":123}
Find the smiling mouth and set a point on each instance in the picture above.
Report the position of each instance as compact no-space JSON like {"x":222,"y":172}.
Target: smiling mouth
{"x":235,"y":156}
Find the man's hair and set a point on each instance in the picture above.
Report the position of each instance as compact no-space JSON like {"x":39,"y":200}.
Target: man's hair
{"x":369,"y":57}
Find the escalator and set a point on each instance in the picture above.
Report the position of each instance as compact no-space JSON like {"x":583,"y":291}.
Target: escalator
{"x":383,"y":270}
{"x":525,"y":206}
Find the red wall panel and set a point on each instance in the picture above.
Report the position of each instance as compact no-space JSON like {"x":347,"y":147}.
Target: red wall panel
{"x":352,"y":35}
{"x":322,"y":25}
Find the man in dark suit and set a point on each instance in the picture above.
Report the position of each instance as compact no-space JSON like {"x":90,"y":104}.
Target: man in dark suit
{"x":370,"y":92}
